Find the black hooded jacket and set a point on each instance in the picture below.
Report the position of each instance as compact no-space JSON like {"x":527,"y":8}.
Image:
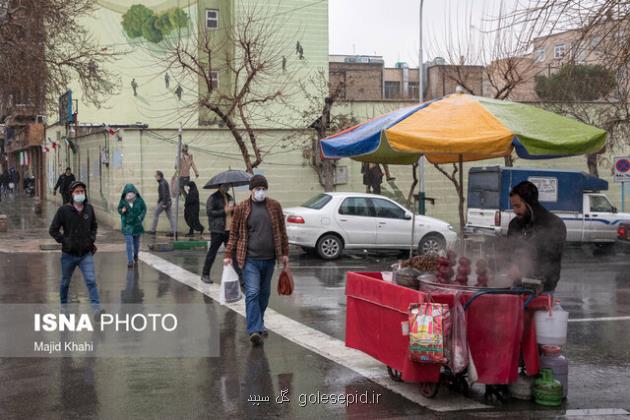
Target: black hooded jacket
{"x":79,"y":229}
{"x":537,"y":241}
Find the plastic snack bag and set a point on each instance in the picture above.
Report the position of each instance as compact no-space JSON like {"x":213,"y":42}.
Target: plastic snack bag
{"x":429,"y":327}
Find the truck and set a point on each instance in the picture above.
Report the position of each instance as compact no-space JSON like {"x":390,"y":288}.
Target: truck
{"x":575,"y":196}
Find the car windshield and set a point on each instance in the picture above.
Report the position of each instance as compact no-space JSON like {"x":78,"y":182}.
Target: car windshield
{"x":318,"y":202}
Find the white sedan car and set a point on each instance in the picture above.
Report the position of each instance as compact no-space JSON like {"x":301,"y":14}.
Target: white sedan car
{"x":331,"y":222}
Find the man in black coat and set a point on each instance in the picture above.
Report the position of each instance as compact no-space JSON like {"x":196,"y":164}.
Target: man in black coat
{"x":536,"y":237}
{"x":63,"y":184}
{"x":78,"y":222}
{"x":219,"y":208}
{"x":163,"y":204}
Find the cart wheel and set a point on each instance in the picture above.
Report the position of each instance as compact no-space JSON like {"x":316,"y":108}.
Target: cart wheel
{"x":394,"y":374}
{"x":429,"y":389}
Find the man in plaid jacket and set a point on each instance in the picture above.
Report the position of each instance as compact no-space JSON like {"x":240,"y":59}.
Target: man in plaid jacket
{"x":259,"y":237}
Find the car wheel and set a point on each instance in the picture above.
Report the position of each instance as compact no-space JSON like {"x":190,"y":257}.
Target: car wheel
{"x":432,"y":243}
{"x":330,"y":247}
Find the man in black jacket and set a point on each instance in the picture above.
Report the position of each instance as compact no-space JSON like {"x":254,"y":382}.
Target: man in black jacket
{"x":536,"y":236}
{"x":79,"y":226}
{"x":163,"y":204}
{"x":63,"y":183}
{"x":219,"y":208}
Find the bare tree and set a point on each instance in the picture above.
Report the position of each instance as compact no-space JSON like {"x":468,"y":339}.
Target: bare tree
{"x":321,"y":96}
{"x":456,"y":177}
{"x":44,"y":47}
{"x":599,"y":32}
{"x":239,"y":69}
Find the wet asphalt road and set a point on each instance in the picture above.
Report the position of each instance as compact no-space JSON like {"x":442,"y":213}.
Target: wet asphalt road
{"x":62,"y":388}
{"x":591,"y":287}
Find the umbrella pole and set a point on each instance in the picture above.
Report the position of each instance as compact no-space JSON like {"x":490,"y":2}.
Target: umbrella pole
{"x":413,"y":227}
{"x":460,"y":194}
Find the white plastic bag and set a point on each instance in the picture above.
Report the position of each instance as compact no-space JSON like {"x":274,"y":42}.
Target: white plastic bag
{"x":230,"y":290}
{"x":459,"y":340}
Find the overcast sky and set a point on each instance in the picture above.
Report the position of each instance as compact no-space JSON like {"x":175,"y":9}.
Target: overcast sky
{"x":390,"y":27}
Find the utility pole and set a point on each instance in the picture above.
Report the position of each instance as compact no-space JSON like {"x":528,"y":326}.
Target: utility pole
{"x":179,"y":187}
{"x":422,"y":160}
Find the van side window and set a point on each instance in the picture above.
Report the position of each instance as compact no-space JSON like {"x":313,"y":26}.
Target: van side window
{"x":601,"y":204}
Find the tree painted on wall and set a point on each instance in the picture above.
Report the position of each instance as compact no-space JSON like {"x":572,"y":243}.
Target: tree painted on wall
{"x":140,"y":21}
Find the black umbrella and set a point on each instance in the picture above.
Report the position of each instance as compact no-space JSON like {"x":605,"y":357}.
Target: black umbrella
{"x":232,"y":177}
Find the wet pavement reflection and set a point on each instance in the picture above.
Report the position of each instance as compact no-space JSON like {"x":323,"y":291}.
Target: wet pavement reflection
{"x":168,"y":387}
{"x":591,"y":286}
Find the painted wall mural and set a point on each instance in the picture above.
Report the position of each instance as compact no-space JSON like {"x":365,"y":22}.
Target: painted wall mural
{"x":141,"y":21}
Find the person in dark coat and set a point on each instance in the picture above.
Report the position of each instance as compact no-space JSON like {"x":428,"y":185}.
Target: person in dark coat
{"x":63,"y":183}
{"x":374,"y":178}
{"x":536,"y":237}
{"x":219,"y":208}
{"x":163,"y":204}
{"x":191,"y":209}
{"x":132,"y":210}
{"x":78,"y":223}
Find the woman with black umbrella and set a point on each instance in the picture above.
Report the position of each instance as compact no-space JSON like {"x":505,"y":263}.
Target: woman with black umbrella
{"x":191,"y":209}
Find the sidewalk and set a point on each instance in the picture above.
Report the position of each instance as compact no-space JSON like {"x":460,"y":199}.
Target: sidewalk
{"x":27,"y":230}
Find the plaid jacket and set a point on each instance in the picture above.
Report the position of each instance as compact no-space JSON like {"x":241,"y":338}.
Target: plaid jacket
{"x":239,"y":232}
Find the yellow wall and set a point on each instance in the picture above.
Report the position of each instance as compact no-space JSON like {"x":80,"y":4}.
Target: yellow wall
{"x":292,"y":180}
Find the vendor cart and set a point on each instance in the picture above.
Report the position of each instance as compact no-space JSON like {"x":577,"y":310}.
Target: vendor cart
{"x":500,"y":330}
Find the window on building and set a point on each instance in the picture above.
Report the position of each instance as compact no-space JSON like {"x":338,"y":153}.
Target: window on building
{"x":539,"y":55}
{"x":214,"y":77}
{"x":558,"y":51}
{"x":212,"y":19}
{"x":413,"y":90}
{"x":392,"y":90}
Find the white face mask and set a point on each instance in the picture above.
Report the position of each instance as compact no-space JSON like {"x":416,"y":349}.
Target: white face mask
{"x":130,"y":196}
{"x":260,"y":195}
{"x":78,"y":198}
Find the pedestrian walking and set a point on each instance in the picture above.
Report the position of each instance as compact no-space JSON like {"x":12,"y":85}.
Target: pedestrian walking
{"x":78,"y":222}
{"x":219,"y":208}
{"x":4,"y":183}
{"x":191,"y":209}
{"x":167,"y":80}
{"x":258,"y":235}
{"x":14,"y":180}
{"x":63,"y":184}
{"x":163,"y":204}
{"x":132,"y":210}
{"x":186,"y":163}
{"x":374,"y":178}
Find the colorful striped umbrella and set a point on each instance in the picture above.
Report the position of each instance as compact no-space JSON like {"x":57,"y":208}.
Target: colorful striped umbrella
{"x":462,"y":127}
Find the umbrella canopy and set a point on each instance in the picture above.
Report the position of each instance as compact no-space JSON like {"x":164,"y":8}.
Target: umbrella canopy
{"x":462,"y":127}
{"x":232,"y":177}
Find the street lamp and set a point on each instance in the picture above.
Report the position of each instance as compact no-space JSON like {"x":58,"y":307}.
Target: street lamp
{"x":421,"y":160}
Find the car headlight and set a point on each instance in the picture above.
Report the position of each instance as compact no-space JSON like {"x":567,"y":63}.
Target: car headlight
{"x":450,"y":227}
